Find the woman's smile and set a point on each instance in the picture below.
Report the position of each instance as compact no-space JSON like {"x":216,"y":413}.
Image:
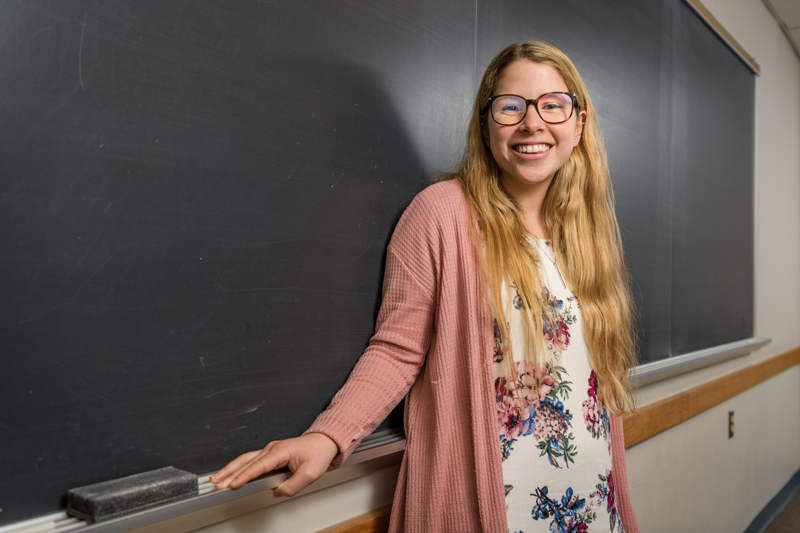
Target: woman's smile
{"x":532,"y":148}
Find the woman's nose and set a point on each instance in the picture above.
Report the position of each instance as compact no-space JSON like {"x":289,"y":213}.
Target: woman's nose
{"x":532,"y":121}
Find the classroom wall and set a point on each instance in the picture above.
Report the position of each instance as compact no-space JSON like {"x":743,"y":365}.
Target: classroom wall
{"x":691,"y":477}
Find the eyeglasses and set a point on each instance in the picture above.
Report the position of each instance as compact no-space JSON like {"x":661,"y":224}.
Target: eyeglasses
{"x":510,"y":109}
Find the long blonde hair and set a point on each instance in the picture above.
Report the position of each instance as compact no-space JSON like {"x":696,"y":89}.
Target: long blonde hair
{"x":578,"y":212}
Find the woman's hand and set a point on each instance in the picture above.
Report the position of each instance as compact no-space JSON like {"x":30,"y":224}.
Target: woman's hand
{"x":308,"y":457}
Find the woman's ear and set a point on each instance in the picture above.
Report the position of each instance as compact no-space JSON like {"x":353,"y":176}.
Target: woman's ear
{"x":579,"y":126}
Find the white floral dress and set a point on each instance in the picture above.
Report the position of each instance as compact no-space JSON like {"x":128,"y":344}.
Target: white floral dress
{"x":553,"y":430}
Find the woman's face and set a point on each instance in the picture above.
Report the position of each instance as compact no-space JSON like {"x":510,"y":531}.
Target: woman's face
{"x":530,"y":153}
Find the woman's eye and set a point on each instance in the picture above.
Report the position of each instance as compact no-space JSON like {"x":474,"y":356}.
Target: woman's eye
{"x":550,"y":107}
{"x":510,"y":108}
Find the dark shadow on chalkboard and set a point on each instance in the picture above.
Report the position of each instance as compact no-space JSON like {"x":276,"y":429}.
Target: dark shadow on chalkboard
{"x":193,"y":244}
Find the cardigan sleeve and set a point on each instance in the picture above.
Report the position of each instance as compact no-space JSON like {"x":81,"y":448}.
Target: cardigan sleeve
{"x":397,"y":350}
{"x":622,"y":496}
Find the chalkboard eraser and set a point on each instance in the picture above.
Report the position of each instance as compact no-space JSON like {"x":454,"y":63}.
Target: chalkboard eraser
{"x":119,"y":497}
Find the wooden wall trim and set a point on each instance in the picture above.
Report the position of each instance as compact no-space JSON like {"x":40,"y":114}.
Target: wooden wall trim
{"x":376,"y":521}
{"x":650,"y":420}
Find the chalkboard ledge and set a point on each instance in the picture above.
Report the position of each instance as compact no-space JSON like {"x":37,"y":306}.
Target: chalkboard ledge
{"x":681,"y":364}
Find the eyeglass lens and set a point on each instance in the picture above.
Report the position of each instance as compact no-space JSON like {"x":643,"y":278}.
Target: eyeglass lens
{"x":553,"y":108}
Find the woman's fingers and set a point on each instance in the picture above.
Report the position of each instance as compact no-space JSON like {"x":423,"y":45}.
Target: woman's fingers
{"x":257,"y":463}
{"x":234,"y":466}
{"x":267,"y":461}
{"x":308,"y":457}
{"x":309,"y":464}
{"x":297,"y":482}
{"x":224,"y":477}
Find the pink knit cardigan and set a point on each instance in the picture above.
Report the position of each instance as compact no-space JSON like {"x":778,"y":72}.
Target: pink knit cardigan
{"x":433,"y":342}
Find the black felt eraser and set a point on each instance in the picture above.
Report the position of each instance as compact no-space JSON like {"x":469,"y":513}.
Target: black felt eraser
{"x":118,"y":497}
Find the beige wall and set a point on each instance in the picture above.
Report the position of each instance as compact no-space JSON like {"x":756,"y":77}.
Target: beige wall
{"x":692,"y":477}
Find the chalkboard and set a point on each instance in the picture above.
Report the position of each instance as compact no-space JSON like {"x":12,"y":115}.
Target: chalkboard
{"x":196,"y":199}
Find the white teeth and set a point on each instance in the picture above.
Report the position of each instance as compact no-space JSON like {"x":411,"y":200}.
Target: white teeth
{"x":532,"y":148}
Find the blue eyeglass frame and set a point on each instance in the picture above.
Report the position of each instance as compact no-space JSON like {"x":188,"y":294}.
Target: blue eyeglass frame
{"x":532,"y":102}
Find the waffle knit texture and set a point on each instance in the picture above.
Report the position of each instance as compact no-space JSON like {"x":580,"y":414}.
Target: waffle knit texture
{"x":433,"y":344}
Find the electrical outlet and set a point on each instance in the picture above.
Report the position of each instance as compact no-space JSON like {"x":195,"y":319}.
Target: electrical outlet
{"x":731,"y":424}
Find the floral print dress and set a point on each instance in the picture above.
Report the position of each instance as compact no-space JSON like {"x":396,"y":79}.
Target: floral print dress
{"x":553,"y":429}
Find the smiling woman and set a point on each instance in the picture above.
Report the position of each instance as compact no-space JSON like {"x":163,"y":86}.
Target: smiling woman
{"x":522,"y":237}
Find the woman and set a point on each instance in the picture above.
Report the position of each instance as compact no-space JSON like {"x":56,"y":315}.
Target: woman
{"x":505,"y":302}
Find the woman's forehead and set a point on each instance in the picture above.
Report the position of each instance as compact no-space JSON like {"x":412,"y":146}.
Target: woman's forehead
{"x":524,"y":77}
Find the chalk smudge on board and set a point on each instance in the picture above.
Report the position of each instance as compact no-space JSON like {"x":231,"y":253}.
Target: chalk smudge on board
{"x":80,"y":52}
